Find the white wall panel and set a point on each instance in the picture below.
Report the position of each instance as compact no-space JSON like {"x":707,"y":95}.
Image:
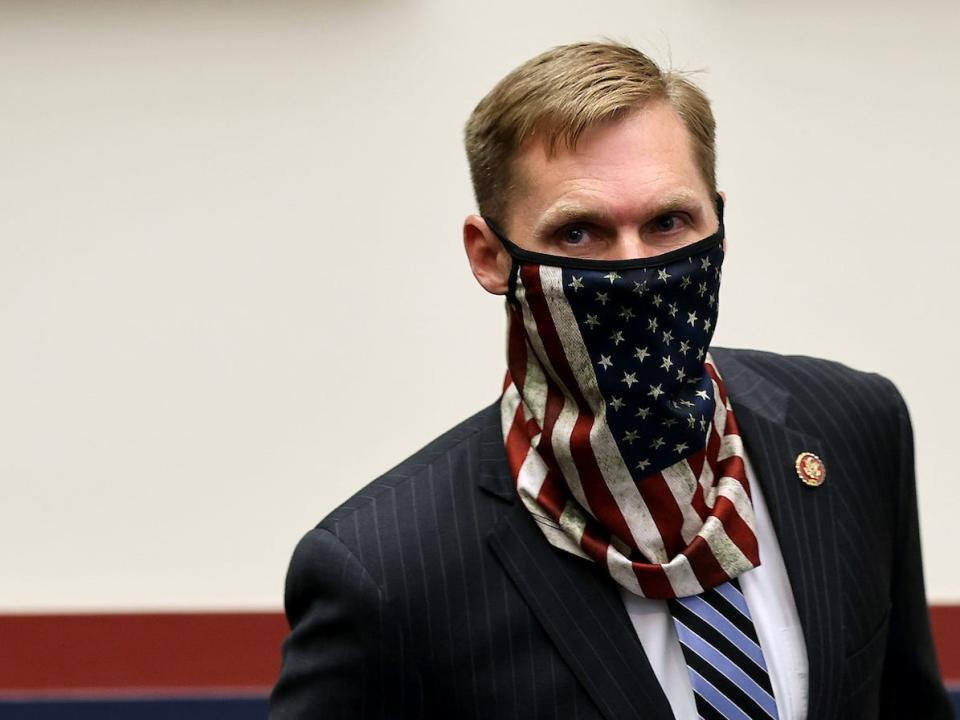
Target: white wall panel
{"x":232,"y":289}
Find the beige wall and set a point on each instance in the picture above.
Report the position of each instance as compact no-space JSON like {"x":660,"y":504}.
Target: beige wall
{"x":231,"y":283}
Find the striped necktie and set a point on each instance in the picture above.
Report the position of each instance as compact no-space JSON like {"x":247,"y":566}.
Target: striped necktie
{"x":724,"y":659}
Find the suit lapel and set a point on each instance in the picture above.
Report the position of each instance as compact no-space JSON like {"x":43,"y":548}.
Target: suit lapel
{"x":804,"y":520}
{"x":579,"y":607}
{"x":583,"y":614}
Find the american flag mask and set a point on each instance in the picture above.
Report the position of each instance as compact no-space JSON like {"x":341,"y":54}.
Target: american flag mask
{"x":618,"y":430}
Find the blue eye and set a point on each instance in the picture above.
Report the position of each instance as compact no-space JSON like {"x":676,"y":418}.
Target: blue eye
{"x":574,"y":235}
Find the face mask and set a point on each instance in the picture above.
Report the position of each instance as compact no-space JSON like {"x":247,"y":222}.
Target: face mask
{"x":628,"y":339}
{"x":611,"y":412}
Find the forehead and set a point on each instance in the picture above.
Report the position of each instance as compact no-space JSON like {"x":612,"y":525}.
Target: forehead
{"x":625,"y":164}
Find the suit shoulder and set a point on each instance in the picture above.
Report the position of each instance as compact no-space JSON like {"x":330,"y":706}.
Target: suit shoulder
{"x":813,"y":373}
{"x":444,"y":453}
{"x":826,"y":393}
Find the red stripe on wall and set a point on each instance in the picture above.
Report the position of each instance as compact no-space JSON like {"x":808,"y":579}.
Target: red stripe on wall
{"x":183,"y":651}
{"x":187,"y":652}
{"x":945,"y":623}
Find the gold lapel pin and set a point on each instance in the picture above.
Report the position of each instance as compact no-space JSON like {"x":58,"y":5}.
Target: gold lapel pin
{"x":811,"y":469}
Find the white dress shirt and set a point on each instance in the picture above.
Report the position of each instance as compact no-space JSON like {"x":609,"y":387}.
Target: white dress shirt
{"x":770,"y":599}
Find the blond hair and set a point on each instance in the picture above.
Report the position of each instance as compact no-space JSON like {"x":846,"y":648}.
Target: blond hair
{"x":563,"y":92}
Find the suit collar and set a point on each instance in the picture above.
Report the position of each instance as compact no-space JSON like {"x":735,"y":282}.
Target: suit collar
{"x":748,"y":389}
{"x":494,"y":476}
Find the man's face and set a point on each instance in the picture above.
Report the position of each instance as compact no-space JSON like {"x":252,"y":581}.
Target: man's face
{"x":629,"y":189}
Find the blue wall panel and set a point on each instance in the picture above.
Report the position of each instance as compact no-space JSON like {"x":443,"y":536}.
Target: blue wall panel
{"x":136,"y":709}
{"x":166,"y":709}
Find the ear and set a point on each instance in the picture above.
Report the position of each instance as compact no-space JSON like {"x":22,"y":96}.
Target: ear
{"x":489,"y":260}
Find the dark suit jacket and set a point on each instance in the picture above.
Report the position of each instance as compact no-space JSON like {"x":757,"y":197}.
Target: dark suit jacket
{"x":432,"y":594}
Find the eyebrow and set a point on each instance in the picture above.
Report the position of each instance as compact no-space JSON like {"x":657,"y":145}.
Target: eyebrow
{"x":572,"y":213}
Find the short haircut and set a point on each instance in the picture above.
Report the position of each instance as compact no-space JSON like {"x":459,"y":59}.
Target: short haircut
{"x":558,"y":95}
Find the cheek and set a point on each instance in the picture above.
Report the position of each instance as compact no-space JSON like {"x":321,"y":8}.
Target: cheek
{"x":505,"y":264}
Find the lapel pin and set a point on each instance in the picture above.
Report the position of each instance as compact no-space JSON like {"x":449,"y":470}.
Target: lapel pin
{"x":811,"y":469}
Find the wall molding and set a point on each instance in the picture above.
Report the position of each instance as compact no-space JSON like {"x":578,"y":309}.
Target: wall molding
{"x":196,"y":654}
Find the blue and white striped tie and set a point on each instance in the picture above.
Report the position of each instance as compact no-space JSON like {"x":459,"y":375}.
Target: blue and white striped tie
{"x":726,"y":665}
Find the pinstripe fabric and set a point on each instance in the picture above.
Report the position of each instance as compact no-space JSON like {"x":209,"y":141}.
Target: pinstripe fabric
{"x":432,"y":594}
{"x":402,"y":610}
{"x":851,"y":547}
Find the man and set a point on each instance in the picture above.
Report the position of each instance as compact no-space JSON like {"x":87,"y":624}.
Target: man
{"x":642,"y":526}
